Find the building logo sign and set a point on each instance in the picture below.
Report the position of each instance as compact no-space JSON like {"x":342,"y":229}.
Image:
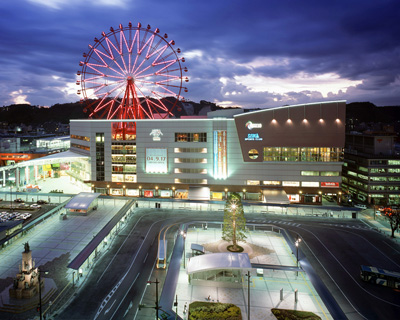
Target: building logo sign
{"x":330,"y":184}
{"x":156,"y":134}
{"x":250,"y":125}
{"x":253,"y":137}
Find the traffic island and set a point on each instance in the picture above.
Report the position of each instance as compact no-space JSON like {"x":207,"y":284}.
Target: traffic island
{"x":285,"y":314}
{"x":199,"y":310}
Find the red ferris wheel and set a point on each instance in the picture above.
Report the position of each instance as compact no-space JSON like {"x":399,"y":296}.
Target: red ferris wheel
{"x":131,"y":73}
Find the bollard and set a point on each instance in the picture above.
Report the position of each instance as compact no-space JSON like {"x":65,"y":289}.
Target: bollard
{"x":281,"y":294}
{"x":295,"y":296}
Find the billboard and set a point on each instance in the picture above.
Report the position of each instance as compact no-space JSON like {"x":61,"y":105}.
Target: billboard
{"x":156,"y":160}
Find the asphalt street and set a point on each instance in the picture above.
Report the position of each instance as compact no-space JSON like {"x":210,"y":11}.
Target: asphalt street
{"x":336,"y":248}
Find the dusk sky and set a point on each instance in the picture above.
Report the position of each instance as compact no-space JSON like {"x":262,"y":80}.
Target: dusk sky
{"x":253,"y":53}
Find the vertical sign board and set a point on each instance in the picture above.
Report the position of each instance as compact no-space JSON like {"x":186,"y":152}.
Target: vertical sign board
{"x":220,"y":154}
{"x":156,"y":160}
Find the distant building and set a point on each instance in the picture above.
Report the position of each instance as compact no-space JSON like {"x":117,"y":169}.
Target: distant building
{"x":371,"y":170}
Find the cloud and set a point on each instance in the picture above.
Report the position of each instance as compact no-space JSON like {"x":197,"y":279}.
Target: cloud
{"x":60,"y":4}
{"x":253,"y":54}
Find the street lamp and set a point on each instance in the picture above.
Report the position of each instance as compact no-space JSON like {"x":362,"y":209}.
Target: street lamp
{"x":40,"y":291}
{"x":11,"y":179}
{"x":157,"y":307}
{"x":297,"y":242}
{"x":183,"y":234}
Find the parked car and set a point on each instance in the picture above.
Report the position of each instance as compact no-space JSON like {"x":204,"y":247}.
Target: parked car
{"x":19,"y":200}
{"x":41,"y":202}
{"x":35,"y":206}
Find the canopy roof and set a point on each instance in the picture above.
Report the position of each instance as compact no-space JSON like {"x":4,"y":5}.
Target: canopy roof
{"x":215,"y":261}
{"x":82,"y":201}
{"x":276,"y":196}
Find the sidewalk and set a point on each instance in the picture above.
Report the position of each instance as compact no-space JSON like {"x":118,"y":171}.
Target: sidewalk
{"x":380,"y":225}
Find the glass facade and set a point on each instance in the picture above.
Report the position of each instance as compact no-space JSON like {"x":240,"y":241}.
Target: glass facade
{"x":304,"y":154}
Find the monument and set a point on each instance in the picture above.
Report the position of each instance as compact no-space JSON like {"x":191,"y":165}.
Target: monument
{"x":26,"y":283}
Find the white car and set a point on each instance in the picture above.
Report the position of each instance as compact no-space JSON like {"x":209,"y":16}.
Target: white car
{"x":35,"y":206}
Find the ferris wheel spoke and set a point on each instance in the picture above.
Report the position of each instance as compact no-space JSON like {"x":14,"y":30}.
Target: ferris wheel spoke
{"x":149,"y":44}
{"x":159,"y":51}
{"x":143,"y":70}
{"x":99,"y":54}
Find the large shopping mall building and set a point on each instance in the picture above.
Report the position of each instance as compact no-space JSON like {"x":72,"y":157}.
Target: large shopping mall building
{"x":278,"y":155}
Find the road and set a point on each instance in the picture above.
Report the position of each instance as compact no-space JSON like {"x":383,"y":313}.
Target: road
{"x":336,"y":249}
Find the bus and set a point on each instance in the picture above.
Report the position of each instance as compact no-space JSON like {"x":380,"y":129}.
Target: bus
{"x":380,"y":276}
{"x":162,"y":254}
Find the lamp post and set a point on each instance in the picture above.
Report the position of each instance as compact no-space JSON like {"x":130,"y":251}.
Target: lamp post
{"x":297,"y":242}
{"x":248,"y":295}
{"x":183,"y":234}
{"x":40,"y":291}
{"x":157,"y":307}
{"x":11,"y":179}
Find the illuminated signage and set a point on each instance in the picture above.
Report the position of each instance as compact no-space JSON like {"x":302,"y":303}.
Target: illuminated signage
{"x":220,"y":154}
{"x":250,"y":125}
{"x":290,"y":183}
{"x":271,"y":183}
{"x":156,"y":160}
{"x":310,"y":184}
{"x":132,"y":192}
{"x":330,"y":184}
{"x":156,"y":134}
{"x":253,"y":137}
{"x":293,"y":197}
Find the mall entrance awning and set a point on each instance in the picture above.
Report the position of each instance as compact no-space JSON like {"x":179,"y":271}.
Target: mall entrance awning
{"x":199,"y":193}
{"x":275,"y":196}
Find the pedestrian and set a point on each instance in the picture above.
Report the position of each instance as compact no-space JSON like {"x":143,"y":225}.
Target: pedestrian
{"x":209,"y":298}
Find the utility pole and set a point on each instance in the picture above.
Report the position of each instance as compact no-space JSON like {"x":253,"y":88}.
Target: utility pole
{"x":248,"y":295}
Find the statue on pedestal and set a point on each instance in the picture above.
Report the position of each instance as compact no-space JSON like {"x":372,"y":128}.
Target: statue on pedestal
{"x":26,"y":283}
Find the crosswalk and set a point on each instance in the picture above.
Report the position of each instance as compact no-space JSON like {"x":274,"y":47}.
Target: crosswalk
{"x":358,"y":227}
{"x":293,"y":224}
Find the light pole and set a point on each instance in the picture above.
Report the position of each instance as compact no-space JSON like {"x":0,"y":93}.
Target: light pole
{"x":157,"y":307}
{"x":297,"y":242}
{"x":11,"y":179}
{"x":40,"y":291}
{"x":183,"y":234}
{"x":248,"y":295}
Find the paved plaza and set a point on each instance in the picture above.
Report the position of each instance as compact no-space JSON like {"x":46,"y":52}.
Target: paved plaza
{"x":54,"y":237}
{"x":264,"y":289}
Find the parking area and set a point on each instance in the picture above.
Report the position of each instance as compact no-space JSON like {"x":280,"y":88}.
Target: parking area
{"x":18,"y":209}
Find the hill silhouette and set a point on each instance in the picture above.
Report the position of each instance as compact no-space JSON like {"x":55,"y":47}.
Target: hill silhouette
{"x":35,"y":115}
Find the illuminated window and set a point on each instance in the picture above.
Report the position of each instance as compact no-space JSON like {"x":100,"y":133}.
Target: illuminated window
{"x":310,"y":173}
{"x":190,"y":137}
{"x":330,"y":173}
{"x":73,"y":136}
{"x":190,"y":160}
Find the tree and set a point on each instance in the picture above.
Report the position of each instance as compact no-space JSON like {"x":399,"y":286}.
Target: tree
{"x":393,"y":216}
{"x":234,"y":221}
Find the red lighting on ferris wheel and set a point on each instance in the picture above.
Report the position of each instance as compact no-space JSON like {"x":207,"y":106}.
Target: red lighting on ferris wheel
{"x":131,"y":73}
